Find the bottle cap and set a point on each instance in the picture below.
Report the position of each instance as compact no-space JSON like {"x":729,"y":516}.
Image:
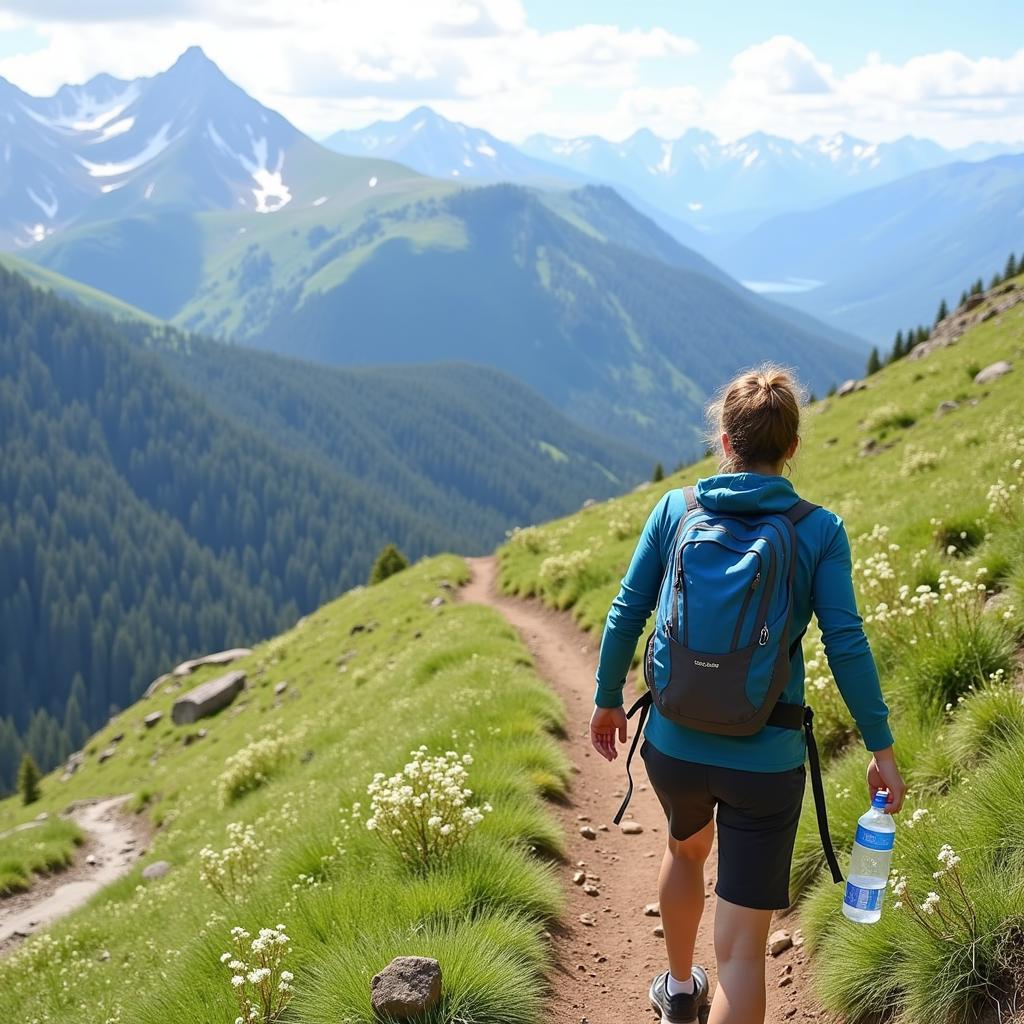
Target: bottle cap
{"x":880,"y":799}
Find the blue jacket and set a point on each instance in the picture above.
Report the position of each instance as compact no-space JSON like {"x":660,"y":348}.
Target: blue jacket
{"x":823,"y":584}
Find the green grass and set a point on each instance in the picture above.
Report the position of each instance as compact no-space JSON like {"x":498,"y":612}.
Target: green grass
{"x":453,"y":677}
{"x":42,"y":849}
{"x":923,"y":504}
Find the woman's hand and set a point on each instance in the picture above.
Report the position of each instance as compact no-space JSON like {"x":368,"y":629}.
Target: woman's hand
{"x":883,"y":774}
{"x":604,"y":724}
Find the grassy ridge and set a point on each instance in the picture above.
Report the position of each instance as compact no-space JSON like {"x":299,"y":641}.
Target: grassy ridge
{"x":369,"y":677}
{"x":932,"y":499}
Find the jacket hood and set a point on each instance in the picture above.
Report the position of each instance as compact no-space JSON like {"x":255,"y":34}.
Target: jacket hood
{"x":745,"y":492}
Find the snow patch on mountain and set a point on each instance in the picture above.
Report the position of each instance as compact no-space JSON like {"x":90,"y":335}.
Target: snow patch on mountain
{"x":91,"y":114}
{"x":270,"y":193}
{"x":111,"y":131}
{"x":48,"y":206}
{"x":486,"y":150}
{"x":156,"y":145}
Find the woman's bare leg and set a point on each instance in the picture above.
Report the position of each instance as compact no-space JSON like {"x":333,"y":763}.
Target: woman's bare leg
{"x":681,"y":892}
{"x":740,"y":938}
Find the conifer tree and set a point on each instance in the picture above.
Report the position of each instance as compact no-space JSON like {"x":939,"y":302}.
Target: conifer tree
{"x":943,"y":311}
{"x":963,"y":296}
{"x":659,"y":473}
{"x":997,"y":280}
{"x":897,"y":347}
{"x":1011,"y":267}
{"x":874,"y":363}
{"x":389,"y":561}
{"x":28,"y":780}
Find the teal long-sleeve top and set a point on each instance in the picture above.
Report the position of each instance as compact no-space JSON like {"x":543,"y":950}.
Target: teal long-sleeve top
{"x":823,"y":585}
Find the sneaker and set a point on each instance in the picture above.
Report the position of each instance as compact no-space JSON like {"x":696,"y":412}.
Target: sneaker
{"x":680,"y":1009}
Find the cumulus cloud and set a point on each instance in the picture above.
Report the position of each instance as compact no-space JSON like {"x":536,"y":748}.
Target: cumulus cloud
{"x":781,"y":65}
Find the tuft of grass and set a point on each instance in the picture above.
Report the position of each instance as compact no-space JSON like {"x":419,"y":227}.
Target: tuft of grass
{"x":42,"y":849}
{"x":947,"y":967}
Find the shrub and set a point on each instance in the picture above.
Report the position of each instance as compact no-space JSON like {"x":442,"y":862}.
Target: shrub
{"x":389,"y":561}
{"x":251,"y":767}
{"x":28,"y":779}
{"x":423,"y":812}
{"x":887,"y":416}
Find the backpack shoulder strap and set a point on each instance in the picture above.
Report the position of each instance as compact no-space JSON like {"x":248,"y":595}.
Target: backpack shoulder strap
{"x":691,"y":499}
{"x":799,"y":510}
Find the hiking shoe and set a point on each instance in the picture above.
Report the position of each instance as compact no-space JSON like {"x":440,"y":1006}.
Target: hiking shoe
{"x":682,"y":1008}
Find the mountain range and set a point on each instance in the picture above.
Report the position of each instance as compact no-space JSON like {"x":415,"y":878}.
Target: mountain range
{"x":876,"y":260}
{"x":187,"y":138}
{"x":697,"y":179}
{"x":361,"y":260}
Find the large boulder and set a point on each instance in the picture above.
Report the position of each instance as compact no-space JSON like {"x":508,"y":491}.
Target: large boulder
{"x":408,"y":987}
{"x":849,"y":386}
{"x":992,"y":371}
{"x":219,"y":658}
{"x":208,"y":697}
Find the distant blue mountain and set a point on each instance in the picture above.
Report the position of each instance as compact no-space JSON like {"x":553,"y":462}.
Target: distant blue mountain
{"x":885,"y":256}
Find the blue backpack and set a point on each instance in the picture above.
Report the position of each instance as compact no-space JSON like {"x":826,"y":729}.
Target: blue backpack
{"x":719,"y":656}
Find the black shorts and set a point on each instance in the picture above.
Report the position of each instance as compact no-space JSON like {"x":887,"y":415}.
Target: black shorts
{"x":758,"y":813}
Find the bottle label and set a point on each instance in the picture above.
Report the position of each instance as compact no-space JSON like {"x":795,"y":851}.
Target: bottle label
{"x":863,"y":899}
{"x":874,"y":840}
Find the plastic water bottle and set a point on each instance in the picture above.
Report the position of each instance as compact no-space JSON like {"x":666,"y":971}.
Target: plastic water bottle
{"x":869,"y":863}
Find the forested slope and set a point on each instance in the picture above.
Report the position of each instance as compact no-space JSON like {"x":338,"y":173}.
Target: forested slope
{"x":144,"y":519}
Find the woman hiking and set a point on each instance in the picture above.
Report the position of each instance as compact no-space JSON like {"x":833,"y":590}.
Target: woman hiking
{"x":721,"y":673}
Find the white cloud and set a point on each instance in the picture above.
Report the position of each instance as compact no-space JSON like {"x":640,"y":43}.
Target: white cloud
{"x":327,"y":64}
{"x":781,"y":65}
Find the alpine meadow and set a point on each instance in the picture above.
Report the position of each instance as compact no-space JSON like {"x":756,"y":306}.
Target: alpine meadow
{"x":353,"y":364}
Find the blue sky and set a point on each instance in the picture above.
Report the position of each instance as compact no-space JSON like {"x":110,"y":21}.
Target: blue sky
{"x":943,"y":70}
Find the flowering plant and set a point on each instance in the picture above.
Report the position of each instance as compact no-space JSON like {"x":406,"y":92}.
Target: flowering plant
{"x":263,"y":988}
{"x":947,"y":909}
{"x":233,"y":870}
{"x":423,"y":811}
{"x":251,"y":767}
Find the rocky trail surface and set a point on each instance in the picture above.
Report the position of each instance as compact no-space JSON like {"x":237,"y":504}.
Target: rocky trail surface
{"x":609,"y":945}
{"x":114,"y":841}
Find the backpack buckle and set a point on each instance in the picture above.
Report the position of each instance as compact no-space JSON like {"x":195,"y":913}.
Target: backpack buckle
{"x":763,"y":639}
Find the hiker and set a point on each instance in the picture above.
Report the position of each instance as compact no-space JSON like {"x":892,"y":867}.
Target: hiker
{"x":728,"y":732}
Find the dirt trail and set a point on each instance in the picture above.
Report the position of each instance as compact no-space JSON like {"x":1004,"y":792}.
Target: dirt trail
{"x":603,"y":970}
{"x":114,"y":841}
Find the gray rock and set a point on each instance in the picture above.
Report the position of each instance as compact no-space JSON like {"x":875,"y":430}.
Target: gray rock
{"x":947,"y":406}
{"x":992,"y":372}
{"x":74,"y":762}
{"x":218,"y":658}
{"x":437,"y":602}
{"x":779,"y":942}
{"x":280,"y":687}
{"x":117,"y":737}
{"x":973,"y":301}
{"x":652,"y":910}
{"x":105,"y":755}
{"x":152,"y":718}
{"x":408,"y":987}
{"x":208,"y":697}
{"x":157,"y":869}
{"x":156,"y":684}
{"x":631,"y":828}
{"x":848,"y":387}
{"x":587,"y":832}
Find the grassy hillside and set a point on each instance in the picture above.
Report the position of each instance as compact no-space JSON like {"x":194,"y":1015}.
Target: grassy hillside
{"x":368,"y":679}
{"x":932,"y":499}
{"x":616,"y":334}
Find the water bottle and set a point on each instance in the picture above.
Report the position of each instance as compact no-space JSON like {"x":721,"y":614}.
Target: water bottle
{"x":869,"y":863}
